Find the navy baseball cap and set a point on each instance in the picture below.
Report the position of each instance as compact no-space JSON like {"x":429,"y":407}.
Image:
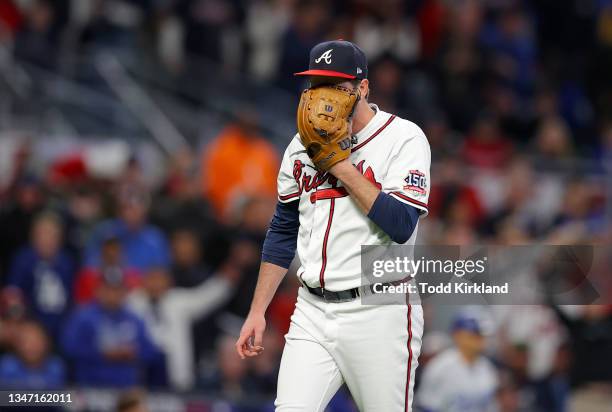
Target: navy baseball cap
{"x":472,"y":321}
{"x":337,"y":58}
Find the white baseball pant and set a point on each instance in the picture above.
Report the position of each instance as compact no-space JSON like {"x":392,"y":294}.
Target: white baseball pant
{"x":374,"y":349}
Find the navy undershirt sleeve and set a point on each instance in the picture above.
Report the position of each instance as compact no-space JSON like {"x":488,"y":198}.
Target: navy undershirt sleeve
{"x":395,"y":218}
{"x":281,"y":239}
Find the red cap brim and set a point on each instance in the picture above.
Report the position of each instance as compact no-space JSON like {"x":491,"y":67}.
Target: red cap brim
{"x":327,"y":73}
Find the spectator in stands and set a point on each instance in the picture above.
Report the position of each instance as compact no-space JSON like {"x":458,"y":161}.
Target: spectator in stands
{"x":32,"y":367}
{"x":84,"y":210}
{"x":578,"y":217}
{"x":510,"y":40}
{"x":25,"y":201}
{"x":590,"y":333}
{"x":89,"y":278}
{"x":182,"y":203}
{"x":553,"y":144}
{"x":460,"y":64}
{"x":36,"y":42}
{"x":115,"y":24}
{"x":387,"y":29}
{"x":143,"y":245}
{"x":389,"y":94}
{"x":206,"y":24}
{"x":188,"y":269}
{"x":517,"y":199}
{"x":485,"y":146}
{"x":250,"y":227}
{"x":266,"y":21}
{"x":307,"y":28}
{"x":452,"y":198}
{"x":13,"y":313}
{"x":44,"y":271}
{"x":461,"y":378}
{"x":108,"y":344}
{"x":237,"y":164}
{"x":170,"y":313}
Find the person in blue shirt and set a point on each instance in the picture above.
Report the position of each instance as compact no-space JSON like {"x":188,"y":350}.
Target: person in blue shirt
{"x":108,"y":344}
{"x":32,"y":366}
{"x":44,"y":271}
{"x":143,"y":245}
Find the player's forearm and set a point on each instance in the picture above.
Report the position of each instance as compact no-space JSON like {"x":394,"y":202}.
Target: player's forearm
{"x":270,"y":276}
{"x":361,"y":190}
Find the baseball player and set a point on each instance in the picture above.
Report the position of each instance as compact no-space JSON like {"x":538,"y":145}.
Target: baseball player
{"x":353,"y":175}
{"x":460,"y":379}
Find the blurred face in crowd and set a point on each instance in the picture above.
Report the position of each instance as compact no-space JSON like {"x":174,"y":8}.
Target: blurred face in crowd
{"x":387,"y":77}
{"x":156,"y":282}
{"x":486,"y":130}
{"x":465,"y":19}
{"x":33,"y":344}
{"x":470,"y":344}
{"x":309,"y":17}
{"x":111,"y":297}
{"x":12,"y":315}
{"x":553,"y":138}
{"x":29,"y":196}
{"x":85,"y":205}
{"x":186,"y":248}
{"x":40,"y":16}
{"x":111,"y":252}
{"x":47,"y":236}
{"x":133,"y":212}
{"x":577,"y":199}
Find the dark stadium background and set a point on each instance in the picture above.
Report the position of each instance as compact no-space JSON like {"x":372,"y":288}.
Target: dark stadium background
{"x":173,"y":114}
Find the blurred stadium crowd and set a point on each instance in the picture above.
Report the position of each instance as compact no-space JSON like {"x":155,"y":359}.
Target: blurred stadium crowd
{"x":124,"y":267}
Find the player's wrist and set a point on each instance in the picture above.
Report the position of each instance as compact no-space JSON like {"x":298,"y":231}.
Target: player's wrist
{"x":257,"y":312}
{"x":342,"y":168}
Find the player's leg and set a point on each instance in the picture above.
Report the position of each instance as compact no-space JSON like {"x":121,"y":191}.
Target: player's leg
{"x":379,"y":360}
{"x":309,"y":376}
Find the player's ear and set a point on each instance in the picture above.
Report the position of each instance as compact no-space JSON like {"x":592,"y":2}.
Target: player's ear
{"x":364,"y":89}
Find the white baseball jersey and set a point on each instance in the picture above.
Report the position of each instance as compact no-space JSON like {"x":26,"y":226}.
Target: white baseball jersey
{"x":393,"y":154}
{"x":450,"y":384}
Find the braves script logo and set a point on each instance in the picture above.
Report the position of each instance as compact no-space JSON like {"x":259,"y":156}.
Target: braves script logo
{"x":307,"y":183}
{"x":325,"y":56}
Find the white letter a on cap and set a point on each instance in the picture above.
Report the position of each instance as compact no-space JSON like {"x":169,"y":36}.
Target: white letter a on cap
{"x":325,"y":56}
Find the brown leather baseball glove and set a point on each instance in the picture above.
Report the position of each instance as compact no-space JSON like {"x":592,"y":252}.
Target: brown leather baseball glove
{"x":323,"y":121}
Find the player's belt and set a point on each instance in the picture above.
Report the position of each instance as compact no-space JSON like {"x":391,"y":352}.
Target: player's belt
{"x":345,"y":295}
{"x":330,"y":296}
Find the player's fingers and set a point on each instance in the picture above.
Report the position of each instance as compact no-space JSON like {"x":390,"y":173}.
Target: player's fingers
{"x":258,"y":337}
{"x":241,"y":344}
{"x":251,"y":351}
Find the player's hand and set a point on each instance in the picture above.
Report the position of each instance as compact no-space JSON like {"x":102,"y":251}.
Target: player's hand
{"x":341,"y":168}
{"x":251,"y":336}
